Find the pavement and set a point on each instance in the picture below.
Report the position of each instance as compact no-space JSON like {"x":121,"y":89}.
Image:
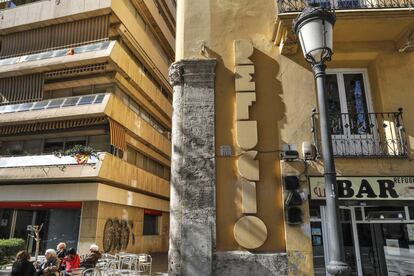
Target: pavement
{"x":159,"y":263}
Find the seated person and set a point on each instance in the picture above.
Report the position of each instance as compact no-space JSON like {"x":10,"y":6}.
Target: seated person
{"x":92,"y":258}
{"x":61,"y":254}
{"x":71,"y":261}
{"x":51,"y":266}
{"x":22,"y":266}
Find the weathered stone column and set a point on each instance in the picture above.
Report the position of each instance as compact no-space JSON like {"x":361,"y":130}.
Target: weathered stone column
{"x":193,"y":211}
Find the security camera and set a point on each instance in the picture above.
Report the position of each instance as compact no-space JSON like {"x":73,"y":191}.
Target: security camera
{"x":308,"y":151}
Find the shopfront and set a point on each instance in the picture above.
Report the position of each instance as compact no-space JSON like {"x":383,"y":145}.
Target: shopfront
{"x":60,"y":222}
{"x":377,"y":216}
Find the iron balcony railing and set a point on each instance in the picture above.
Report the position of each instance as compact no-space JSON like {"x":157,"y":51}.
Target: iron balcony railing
{"x":365,"y":134}
{"x":286,"y":6}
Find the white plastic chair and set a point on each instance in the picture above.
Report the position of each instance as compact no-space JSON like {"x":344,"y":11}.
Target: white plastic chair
{"x":145,"y":263}
{"x":91,"y":272}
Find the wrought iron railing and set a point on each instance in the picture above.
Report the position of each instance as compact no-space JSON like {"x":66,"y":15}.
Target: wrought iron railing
{"x":365,"y":134}
{"x":286,"y":6}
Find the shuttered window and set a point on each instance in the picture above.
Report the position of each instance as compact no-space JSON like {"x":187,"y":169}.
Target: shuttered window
{"x":55,"y":36}
{"x":27,"y":88}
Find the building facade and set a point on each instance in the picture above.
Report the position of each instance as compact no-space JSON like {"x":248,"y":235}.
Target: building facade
{"x":85,"y":122}
{"x":244,"y":96}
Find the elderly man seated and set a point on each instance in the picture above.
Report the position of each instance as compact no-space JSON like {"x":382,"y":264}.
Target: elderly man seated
{"x":51,"y":266}
{"x":92,"y":258}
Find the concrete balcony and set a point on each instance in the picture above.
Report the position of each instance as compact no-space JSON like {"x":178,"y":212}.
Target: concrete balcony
{"x":90,"y":106}
{"x":94,"y":53}
{"x":45,"y":13}
{"x":288,"y":6}
{"x":110,"y":170}
{"x":369,"y":25}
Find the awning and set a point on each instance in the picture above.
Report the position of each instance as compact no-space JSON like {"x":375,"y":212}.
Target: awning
{"x":44,"y":126}
{"x":118,"y":132}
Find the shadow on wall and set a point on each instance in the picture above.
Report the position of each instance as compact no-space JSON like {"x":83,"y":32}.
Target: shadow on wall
{"x":268,"y":110}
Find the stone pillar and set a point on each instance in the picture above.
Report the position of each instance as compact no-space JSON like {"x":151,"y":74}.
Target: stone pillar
{"x":193,"y":204}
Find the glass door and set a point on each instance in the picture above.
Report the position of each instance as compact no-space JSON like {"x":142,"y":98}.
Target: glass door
{"x":320,"y":240}
{"x":350,"y":111}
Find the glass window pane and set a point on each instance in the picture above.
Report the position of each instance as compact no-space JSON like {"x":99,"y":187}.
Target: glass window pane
{"x":72,"y":141}
{"x":25,"y":107}
{"x":150,"y":225}
{"x":334,"y":104}
{"x":10,"y":108}
{"x":13,"y":148}
{"x":63,"y":226}
{"x":55,"y":103}
{"x":71,"y":101}
{"x":52,"y":145}
{"x":86,"y":100}
{"x":356,"y":103}
{"x":131,"y":156}
{"x":40,"y":105}
{"x":99,"y":99}
{"x":99,"y":142}
{"x":5,"y":223}
{"x":33,"y":146}
{"x":140,"y":160}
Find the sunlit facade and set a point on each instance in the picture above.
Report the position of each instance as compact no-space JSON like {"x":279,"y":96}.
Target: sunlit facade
{"x":86,"y":74}
{"x":241,"y":64}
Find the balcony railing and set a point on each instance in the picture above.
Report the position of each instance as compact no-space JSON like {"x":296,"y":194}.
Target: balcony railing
{"x":286,"y":6}
{"x":365,"y":134}
{"x":53,"y":103}
{"x":40,"y":160}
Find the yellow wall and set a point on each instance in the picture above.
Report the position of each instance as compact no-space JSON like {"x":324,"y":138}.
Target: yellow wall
{"x":96,"y":214}
{"x":285,"y":92}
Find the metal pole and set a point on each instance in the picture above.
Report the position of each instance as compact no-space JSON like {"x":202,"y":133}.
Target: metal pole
{"x":337,"y":264}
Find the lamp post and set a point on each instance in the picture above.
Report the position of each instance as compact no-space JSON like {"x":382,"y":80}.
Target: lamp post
{"x":314,"y":27}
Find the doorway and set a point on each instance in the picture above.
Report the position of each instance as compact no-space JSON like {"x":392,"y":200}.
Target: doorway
{"x":378,"y":241}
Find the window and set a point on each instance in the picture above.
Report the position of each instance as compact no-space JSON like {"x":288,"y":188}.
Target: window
{"x":52,"y":145}
{"x":150,"y":225}
{"x":350,"y":112}
{"x":146,"y":163}
{"x":99,"y":142}
{"x":12,"y":148}
{"x":33,"y":147}
{"x":73,"y":141}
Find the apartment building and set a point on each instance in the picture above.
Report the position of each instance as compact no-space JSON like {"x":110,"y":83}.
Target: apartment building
{"x":240,"y":62}
{"x":85,"y":122}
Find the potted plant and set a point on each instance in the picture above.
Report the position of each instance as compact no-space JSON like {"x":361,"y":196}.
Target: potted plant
{"x":81,"y":153}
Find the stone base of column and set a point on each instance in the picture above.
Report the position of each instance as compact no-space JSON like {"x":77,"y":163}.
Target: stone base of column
{"x":239,"y":263}
{"x":193,"y":193}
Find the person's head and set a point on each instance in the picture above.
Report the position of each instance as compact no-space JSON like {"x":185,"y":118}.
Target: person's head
{"x":23,"y":255}
{"x":61,"y":246}
{"x":72,"y":252}
{"x":50,"y":254}
{"x":94,"y":248}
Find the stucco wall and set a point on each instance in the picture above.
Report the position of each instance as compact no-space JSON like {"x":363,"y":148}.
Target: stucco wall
{"x":96,"y":214}
{"x":285,"y":92}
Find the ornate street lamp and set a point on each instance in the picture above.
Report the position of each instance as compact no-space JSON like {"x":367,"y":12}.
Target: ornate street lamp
{"x":314,"y":27}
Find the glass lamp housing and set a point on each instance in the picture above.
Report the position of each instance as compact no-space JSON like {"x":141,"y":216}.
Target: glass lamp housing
{"x":314,"y":27}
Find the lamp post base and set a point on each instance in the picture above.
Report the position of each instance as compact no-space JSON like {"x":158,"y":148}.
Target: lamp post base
{"x":338,"y":268}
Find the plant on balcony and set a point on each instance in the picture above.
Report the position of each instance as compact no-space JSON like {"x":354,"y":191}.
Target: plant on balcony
{"x":81,"y":153}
